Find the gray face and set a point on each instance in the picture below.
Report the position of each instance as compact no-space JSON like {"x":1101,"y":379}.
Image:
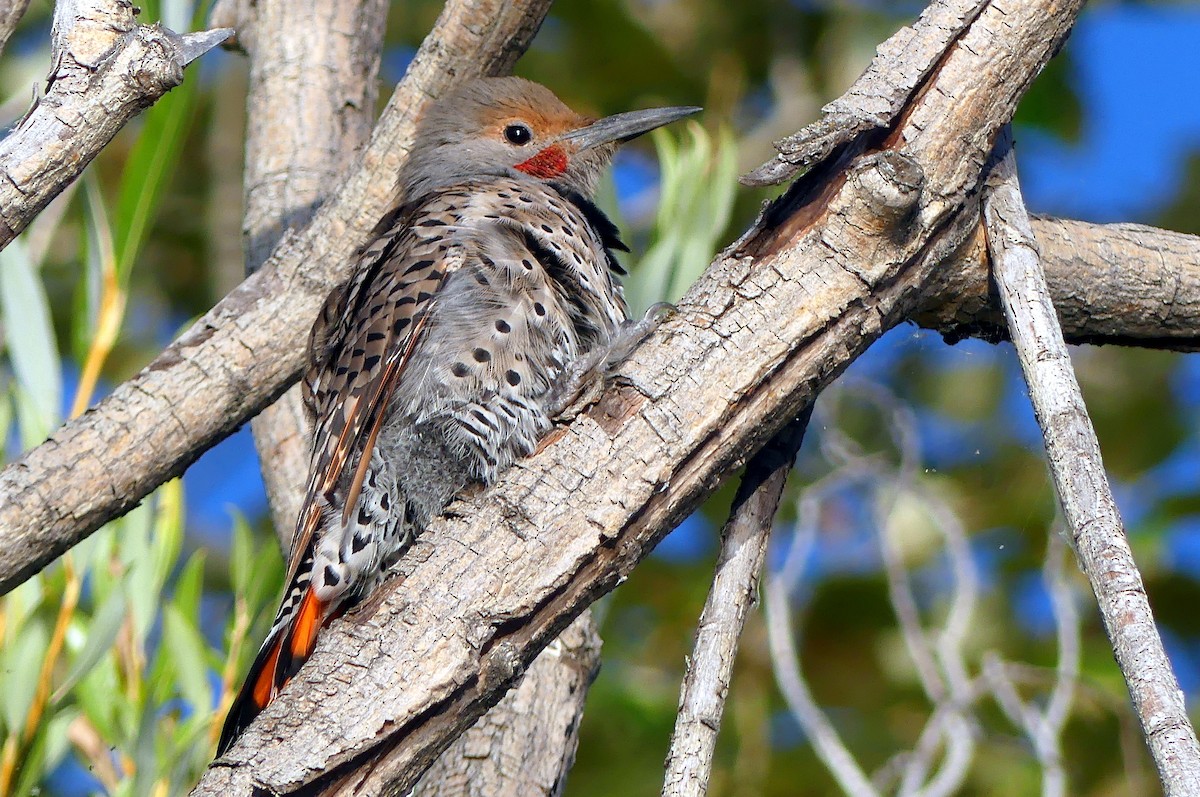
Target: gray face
{"x":489,"y":127}
{"x":496,"y":127}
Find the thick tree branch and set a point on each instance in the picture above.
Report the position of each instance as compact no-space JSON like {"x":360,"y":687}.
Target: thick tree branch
{"x":1079,"y":478}
{"x":734,"y":589}
{"x":243,"y":353}
{"x":106,"y":69}
{"x":524,"y":746}
{"x":1111,"y":283}
{"x":901,"y":65}
{"x":847,"y":253}
{"x":63,"y":490}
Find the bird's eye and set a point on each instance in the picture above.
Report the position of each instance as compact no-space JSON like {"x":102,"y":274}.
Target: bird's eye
{"x":518,"y":134}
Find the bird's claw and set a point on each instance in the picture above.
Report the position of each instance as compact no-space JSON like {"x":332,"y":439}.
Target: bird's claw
{"x":587,"y":377}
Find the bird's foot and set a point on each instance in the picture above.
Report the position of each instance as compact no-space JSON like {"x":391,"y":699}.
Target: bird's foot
{"x":587,"y":377}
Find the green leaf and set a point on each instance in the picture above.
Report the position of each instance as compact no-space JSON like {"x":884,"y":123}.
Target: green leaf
{"x":29,"y":336}
{"x":186,"y":650}
{"x":190,"y":587}
{"x":147,"y":170}
{"x":57,"y":743}
{"x":102,"y":630}
{"x":22,"y":665}
{"x":100,"y":697}
{"x":241,"y":555}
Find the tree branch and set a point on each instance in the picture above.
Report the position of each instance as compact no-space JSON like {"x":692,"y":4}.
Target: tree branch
{"x":843,"y":256}
{"x":735,"y":586}
{"x":106,"y":69}
{"x":1091,"y":513}
{"x":313,"y":88}
{"x":524,"y":746}
{"x":11,"y":12}
{"x":243,"y":353}
{"x":1111,"y":283}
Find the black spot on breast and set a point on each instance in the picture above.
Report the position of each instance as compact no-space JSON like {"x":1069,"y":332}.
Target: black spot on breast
{"x":331,"y":577}
{"x":460,"y":369}
{"x":513,"y":378}
{"x":481,"y":355}
{"x":539,"y":308}
{"x":503,"y":327}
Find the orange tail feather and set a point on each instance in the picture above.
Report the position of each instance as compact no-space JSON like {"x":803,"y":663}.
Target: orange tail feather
{"x":275,"y":665}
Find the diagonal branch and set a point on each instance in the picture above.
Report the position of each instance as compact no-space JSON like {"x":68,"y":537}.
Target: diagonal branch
{"x":735,"y":585}
{"x":1083,"y":490}
{"x":243,"y":353}
{"x":106,"y":69}
{"x":846,"y":254}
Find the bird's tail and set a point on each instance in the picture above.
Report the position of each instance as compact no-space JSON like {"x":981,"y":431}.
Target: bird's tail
{"x":287,"y":647}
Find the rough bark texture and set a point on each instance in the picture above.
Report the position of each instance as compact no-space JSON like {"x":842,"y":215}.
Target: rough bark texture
{"x":230,"y":365}
{"x":11,"y":12}
{"x":313,"y":86}
{"x":243,"y":353}
{"x":106,"y":68}
{"x":734,"y":589}
{"x":1111,"y":283}
{"x":877,"y":97}
{"x":524,"y":746}
{"x":845,"y":254}
{"x":1091,"y":513}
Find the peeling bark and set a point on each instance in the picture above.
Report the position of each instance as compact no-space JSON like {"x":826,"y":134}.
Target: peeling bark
{"x":848,"y":252}
{"x":106,"y":69}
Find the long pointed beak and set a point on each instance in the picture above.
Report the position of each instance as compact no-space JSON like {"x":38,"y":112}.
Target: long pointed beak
{"x":624,"y":126}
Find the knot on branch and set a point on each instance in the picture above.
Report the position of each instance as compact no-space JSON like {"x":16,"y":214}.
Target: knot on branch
{"x":889,"y":184}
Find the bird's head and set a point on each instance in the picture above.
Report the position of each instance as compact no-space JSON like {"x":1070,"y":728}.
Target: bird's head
{"x":508,"y":125}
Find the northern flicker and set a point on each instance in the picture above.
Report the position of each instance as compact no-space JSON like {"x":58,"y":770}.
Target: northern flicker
{"x":437,"y":365}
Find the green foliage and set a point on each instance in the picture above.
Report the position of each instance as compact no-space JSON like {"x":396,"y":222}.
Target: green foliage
{"x":103,"y":656}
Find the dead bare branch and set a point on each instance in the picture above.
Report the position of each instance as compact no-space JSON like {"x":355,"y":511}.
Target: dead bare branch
{"x":105,"y":69}
{"x":735,"y":586}
{"x":11,"y":12}
{"x":524,"y":746}
{"x":1079,"y":478}
{"x":1112,"y":283}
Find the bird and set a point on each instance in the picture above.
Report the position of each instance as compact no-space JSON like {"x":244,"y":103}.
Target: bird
{"x":441,"y":360}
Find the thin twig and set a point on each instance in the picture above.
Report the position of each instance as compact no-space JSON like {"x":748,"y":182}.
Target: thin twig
{"x":1078,"y":470}
{"x":735,"y":585}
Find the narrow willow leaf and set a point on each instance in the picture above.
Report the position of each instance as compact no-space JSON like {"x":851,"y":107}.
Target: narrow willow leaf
{"x":22,"y":666}
{"x":102,"y":630}
{"x":29,"y":336}
{"x":185,"y":648}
